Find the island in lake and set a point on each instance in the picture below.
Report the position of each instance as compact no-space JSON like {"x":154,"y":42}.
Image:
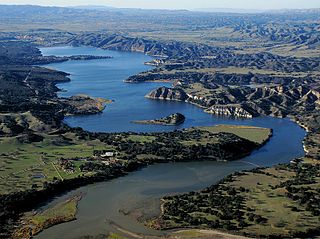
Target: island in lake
{"x":173,"y":119}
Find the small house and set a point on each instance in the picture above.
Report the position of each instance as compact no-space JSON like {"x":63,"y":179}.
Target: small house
{"x":107,"y":155}
{"x":104,"y":154}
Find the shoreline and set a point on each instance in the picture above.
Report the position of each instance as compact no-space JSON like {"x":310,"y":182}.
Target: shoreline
{"x":123,"y":173}
{"x":271,"y":133}
{"x":31,"y":227}
{"x":67,"y":185}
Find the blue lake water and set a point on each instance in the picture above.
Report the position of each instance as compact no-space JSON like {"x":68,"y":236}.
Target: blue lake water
{"x":104,"y":202}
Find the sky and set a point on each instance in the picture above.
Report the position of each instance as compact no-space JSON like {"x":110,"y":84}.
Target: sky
{"x":179,"y":4}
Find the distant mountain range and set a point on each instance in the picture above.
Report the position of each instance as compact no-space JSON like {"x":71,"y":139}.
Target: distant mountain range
{"x":229,"y":10}
{"x":237,"y":10}
{"x":217,"y":10}
{"x":20,"y":10}
{"x":93,"y":7}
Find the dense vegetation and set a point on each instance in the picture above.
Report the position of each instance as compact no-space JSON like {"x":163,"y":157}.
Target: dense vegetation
{"x":238,"y":203}
{"x":282,"y":201}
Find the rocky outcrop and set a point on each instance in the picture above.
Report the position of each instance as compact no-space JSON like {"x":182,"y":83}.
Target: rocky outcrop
{"x":277,"y":100}
{"x":165,"y":93}
{"x":173,"y":119}
{"x":155,"y":62}
{"x":229,"y":110}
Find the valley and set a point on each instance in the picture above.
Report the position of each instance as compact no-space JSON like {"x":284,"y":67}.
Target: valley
{"x":70,"y":98}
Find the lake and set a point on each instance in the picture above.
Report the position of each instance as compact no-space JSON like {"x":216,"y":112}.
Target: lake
{"x":106,"y":204}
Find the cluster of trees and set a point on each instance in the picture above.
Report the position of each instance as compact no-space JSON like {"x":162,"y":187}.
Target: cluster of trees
{"x":300,"y":187}
{"x":171,"y":147}
{"x":219,"y":206}
{"x":306,"y":196}
{"x":95,"y":167}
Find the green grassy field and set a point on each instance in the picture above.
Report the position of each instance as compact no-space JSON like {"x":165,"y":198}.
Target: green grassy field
{"x":254,"y":134}
{"x":274,"y":204}
{"x":141,"y":138}
{"x":23,"y":165}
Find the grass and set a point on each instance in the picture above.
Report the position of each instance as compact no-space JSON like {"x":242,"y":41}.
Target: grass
{"x":66,"y":209}
{"x":273,"y":204}
{"x":115,"y":236}
{"x":28,"y":165}
{"x":254,"y":134}
{"x":141,"y":138}
{"x":264,"y":194}
{"x":21,"y":162}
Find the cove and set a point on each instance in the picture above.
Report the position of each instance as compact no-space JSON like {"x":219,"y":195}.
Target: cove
{"x":106,"y":204}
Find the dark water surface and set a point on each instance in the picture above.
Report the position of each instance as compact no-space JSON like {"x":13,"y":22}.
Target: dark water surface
{"x":105,"y":202}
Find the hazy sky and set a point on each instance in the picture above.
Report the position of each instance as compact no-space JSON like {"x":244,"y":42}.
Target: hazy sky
{"x":179,"y":4}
